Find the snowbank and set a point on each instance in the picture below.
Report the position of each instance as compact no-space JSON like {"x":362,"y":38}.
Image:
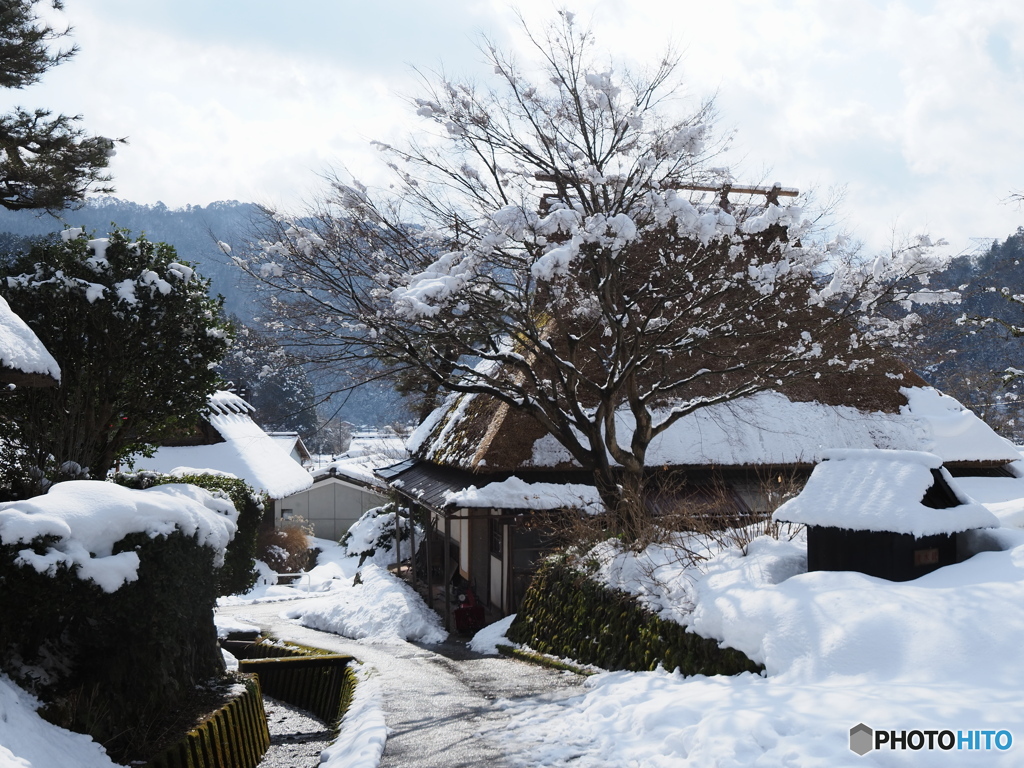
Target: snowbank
{"x":28,"y":741}
{"x":381,"y":609}
{"x":840,"y":648}
{"x":363,"y":735}
{"x":490,"y":637}
{"x":88,"y":517}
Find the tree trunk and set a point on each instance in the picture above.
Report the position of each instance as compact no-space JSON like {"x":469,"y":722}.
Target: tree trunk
{"x":621,"y":491}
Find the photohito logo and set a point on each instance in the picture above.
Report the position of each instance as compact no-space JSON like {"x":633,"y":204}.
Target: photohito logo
{"x":863,"y":739}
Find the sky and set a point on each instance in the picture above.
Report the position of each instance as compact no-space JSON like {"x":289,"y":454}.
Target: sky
{"x":911,"y":107}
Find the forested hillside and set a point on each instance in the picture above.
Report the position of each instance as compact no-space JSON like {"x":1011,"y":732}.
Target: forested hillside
{"x":195,"y":231}
{"x":967,"y":358}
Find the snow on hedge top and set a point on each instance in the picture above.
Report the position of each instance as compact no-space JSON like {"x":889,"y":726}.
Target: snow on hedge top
{"x":20,"y":348}
{"x":871,"y":490}
{"x":769,"y":428}
{"x":514,"y":493}
{"x":89,"y":516}
{"x":247,"y":452}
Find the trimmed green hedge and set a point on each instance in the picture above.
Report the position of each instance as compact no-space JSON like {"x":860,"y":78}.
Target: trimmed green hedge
{"x":112,"y":665}
{"x":238,"y":574}
{"x":566,"y":613}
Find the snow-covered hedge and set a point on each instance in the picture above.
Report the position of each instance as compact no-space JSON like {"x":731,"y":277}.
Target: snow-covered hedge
{"x":238,"y":574}
{"x":108,"y":595}
{"x":566,"y":613}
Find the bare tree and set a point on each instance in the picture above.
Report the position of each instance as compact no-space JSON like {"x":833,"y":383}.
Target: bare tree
{"x":549,"y":245}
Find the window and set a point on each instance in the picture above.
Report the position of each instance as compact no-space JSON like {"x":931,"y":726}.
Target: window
{"x":497,"y":531}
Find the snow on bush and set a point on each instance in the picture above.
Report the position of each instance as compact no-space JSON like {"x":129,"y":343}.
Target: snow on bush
{"x":371,"y":538}
{"x":88,"y":517}
{"x":380,"y":609}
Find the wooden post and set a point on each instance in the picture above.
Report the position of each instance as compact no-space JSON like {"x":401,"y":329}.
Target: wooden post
{"x":398,"y":541}
{"x":412,"y":546}
{"x":444,"y":573}
{"x":430,"y":557}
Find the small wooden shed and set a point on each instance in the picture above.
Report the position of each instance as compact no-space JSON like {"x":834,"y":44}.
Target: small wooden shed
{"x":896,"y":515}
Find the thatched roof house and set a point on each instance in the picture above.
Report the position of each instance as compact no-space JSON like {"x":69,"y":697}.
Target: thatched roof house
{"x":479,"y":466}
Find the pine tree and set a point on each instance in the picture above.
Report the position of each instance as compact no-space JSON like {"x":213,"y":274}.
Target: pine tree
{"x":46,"y":161}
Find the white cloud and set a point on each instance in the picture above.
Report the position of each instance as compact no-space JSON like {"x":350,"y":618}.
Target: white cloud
{"x":912,"y":105}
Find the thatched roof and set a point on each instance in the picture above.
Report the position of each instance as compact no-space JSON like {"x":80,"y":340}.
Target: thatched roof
{"x":241,"y":449}
{"x":790,"y":427}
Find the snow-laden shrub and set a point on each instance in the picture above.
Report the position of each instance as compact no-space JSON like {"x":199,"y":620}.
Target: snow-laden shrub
{"x":286,"y":549}
{"x":238,"y":574}
{"x":372,"y":537}
{"x":107,"y":609}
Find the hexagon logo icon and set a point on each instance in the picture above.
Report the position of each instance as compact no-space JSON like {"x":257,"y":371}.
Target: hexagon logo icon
{"x":861,"y":739}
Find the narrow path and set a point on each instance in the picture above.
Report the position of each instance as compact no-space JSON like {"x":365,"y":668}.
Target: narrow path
{"x":438,"y":701}
{"x":296,"y":737}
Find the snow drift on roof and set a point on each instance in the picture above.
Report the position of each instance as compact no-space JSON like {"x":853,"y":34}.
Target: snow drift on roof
{"x":247,"y":452}
{"x":769,"y":428}
{"x":88,"y":517}
{"x":952,"y":431}
{"x":874,"y":490}
{"x":20,"y":348}
{"x":514,"y":493}
{"x":364,"y":455}
{"x":226,"y":403}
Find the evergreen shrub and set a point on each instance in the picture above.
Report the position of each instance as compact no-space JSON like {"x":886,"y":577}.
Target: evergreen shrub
{"x":565,"y":613}
{"x":113,"y":665}
{"x":238,"y":574}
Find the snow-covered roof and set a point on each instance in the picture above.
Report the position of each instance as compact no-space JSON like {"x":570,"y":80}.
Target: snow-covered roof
{"x":247,"y":452}
{"x":878,"y":490}
{"x":20,"y":349}
{"x":292,"y":444}
{"x":364,"y":455}
{"x":225,"y":403}
{"x":767,"y":428}
{"x":515,"y":493}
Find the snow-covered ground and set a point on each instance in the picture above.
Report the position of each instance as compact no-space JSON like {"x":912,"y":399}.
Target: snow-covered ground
{"x":939,"y":655}
{"x":935,"y":656}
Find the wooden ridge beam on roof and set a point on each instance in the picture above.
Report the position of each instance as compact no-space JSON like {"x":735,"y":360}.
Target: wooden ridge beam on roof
{"x":773,"y":193}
